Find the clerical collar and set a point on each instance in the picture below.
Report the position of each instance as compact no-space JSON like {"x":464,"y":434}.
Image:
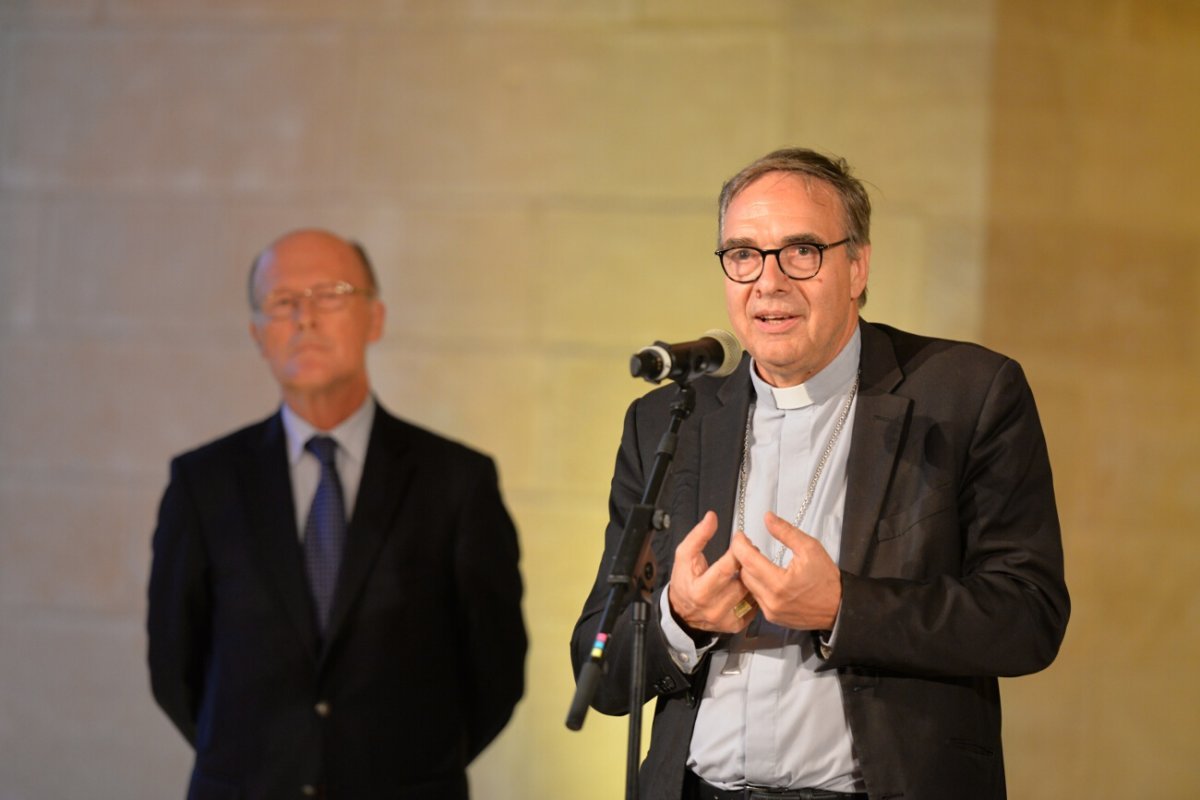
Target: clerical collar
{"x":827,"y":383}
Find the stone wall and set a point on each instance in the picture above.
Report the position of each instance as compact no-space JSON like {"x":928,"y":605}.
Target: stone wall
{"x":536,"y":182}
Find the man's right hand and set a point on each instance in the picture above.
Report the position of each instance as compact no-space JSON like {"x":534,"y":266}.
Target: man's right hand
{"x":702,"y":597}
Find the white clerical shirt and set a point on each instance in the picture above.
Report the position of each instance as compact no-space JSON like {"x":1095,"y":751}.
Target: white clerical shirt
{"x":767,"y":717}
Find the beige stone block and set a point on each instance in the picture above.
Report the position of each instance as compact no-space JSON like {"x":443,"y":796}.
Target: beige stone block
{"x":46,"y":11}
{"x":1033,"y":136}
{"x":1136,"y":111}
{"x":21,"y":223}
{"x":71,"y":543}
{"x":1118,"y":470}
{"x":1128,"y":443}
{"x":76,"y":718}
{"x":1045,"y":722}
{"x":1136,"y":596}
{"x":899,"y":265}
{"x":186,"y":111}
{"x":909,"y":113}
{"x":118,"y":408}
{"x":1090,"y":291}
{"x":275,"y":12}
{"x":1091,"y":20}
{"x":562,"y":540}
{"x":582,"y":417}
{"x":819,"y":19}
{"x":1173,"y":23}
{"x":749,"y":12}
{"x":487,"y":398}
{"x":622,"y":279}
{"x":552,"y":11}
{"x":1101,"y":116}
{"x":457,"y":274}
{"x":532,"y":110}
{"x":955,"y":278}
{"x":143,"y":267}
{"x":368,"y":11}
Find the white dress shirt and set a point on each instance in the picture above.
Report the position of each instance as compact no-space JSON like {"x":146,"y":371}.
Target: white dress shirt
{"x":352,"y":437}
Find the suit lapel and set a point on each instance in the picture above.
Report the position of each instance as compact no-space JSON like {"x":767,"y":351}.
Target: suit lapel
{"x":721,"y":434}
{"x":879,"y":423}
{"x":384,"y":481}
{"x":270,"y":510}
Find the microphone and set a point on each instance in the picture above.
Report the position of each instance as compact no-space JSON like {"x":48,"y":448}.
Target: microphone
{"x":716,"y":353}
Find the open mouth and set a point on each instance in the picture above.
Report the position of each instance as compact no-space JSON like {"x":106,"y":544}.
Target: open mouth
{"x":774,"y":319}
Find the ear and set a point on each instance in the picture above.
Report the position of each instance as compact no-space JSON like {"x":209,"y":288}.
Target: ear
{"x":256,"y":335}
{"x":860,"y":269}
{"x":378,"y":314}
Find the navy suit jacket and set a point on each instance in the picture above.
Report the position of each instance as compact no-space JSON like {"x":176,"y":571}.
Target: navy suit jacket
{"x":423,"y":661}
{"x":951,"y":561}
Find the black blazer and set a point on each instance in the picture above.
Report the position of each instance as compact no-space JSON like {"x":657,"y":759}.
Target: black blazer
{"x":423,"y":661}
{"x":951,"y":559}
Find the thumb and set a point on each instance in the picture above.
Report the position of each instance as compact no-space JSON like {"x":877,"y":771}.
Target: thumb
{"x":698,"y":536}
{"x":788,"y":534}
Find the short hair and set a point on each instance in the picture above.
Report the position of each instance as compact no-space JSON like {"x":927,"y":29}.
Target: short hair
{"x":359,"y":249}
{"x":809,"y":164}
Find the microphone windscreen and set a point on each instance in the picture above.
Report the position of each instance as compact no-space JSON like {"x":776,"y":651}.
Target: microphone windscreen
{"x":731,"y":348}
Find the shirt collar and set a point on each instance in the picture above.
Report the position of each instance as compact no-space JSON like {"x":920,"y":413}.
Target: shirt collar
{"x":352,"y":434}
{"x":827,"y":383}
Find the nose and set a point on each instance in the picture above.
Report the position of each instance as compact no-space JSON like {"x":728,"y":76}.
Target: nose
{"x":772,"y":278}
{"x":305,"y":313}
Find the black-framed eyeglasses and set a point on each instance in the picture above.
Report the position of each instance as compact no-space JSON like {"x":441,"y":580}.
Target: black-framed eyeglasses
{"x":800,"y":261}
{"x":283,"y":304}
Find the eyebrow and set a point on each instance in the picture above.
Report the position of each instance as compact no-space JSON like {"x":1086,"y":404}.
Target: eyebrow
{"x":796,"y":238}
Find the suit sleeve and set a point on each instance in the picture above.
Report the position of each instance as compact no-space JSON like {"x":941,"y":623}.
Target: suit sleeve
{"x":489,"y":587}
{"x":978,"y":586}
{"x":178,"y":602}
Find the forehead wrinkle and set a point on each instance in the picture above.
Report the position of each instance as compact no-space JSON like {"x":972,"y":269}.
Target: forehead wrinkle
{"x":764,"y":207}
{"x":790,"y":239}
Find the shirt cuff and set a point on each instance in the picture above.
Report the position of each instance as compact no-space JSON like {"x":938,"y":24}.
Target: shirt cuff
{"x":827,"y":640}
{"x":683,"y":648}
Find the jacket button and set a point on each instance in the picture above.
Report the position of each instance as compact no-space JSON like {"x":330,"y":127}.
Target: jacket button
{"x":322,"y":709}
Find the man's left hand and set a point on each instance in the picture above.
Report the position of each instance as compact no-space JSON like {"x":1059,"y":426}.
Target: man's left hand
{"x":806,"y":594}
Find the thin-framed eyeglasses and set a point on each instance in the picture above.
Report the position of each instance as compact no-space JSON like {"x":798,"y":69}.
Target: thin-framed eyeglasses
{"x":283,"y":303}
{"x":799,"y":261}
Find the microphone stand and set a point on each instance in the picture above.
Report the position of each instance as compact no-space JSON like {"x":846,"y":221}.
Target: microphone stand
{"x":631,"y":580}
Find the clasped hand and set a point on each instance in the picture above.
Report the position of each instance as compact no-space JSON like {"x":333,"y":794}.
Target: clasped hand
{"x":804,"y":595}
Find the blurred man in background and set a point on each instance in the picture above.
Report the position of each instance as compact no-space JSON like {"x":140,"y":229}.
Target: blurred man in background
{"x":334,"y":601}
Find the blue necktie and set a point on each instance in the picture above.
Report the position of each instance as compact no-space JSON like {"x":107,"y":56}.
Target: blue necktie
{"x":325,"y":530}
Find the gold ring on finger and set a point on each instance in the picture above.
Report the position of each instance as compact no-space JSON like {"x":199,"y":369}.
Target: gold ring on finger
{"x":744,"y":607}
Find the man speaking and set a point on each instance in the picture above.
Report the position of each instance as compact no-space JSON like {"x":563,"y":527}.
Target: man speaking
{"x":863,"y":531}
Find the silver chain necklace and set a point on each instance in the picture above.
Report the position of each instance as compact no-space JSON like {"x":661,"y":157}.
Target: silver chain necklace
{"x":744,"y":472}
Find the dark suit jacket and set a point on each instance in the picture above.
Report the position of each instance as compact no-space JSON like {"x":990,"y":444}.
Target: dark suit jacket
{"x":951,"y":562}
{"x":423,"y":661}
